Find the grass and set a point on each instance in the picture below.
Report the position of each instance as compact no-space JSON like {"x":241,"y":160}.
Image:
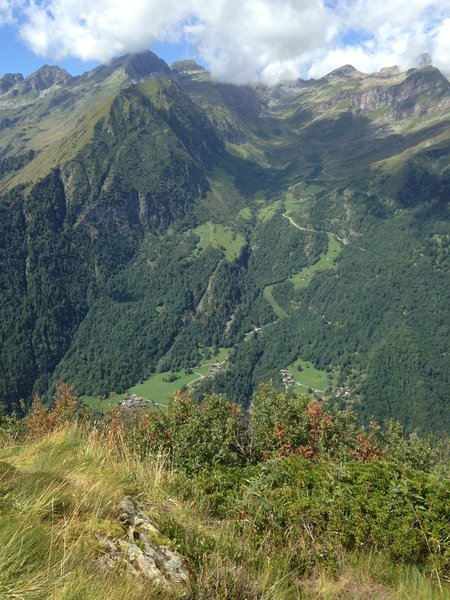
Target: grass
{"x":371,"y":575}
{"x":60,"y":134}
{"x":245,"y":213}
{"x":267,"y":212}
{"x":309,"y":376}
{"x":221,"y":237}
{"x":157,"y":388}
{"x":57,"y":495}
{"x":292,"y":203}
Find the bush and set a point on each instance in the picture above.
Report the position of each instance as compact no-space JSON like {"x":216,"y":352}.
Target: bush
{"x":360,"y":506}
{"x":205,"y":433}
{"x":42,"y":420}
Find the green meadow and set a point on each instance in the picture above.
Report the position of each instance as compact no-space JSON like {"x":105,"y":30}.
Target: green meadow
{"x":308,"y":376}
{"x":221,"y":237}
{"x":160,"y":386}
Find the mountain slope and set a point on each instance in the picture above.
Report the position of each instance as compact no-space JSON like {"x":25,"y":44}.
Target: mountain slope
{"x":152,"y":216}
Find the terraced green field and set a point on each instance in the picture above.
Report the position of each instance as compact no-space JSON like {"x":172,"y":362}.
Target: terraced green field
{"x":245,"y":213}
{"x":278,"y":310}
{"x":292,"y":203}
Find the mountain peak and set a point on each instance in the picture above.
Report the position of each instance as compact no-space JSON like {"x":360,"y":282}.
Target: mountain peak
{"x":428,"y":78}
{"x":186,"y":66}
{"x":144,"y":64}
{"x":137,"y":67}
{"x":46,"y":77}
{"x":345,"y":71}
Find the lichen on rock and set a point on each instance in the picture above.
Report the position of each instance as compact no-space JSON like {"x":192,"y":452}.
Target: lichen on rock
{"x":140,"y":551}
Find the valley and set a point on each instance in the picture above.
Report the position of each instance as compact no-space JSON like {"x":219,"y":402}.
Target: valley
{"x":150,"y":212}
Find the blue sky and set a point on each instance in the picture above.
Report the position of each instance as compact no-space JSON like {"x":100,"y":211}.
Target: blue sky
{"x":238,"y":40}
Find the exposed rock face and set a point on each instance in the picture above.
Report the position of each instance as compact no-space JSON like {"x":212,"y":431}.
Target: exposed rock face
{"x":411,"y":96}
{"x":140,"y":552}
{"x":46,"y":77}
{"x":9,"y":80}
{"x":387,"y":72}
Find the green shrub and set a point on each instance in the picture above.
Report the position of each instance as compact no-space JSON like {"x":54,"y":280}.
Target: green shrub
{"x":205,"y":433}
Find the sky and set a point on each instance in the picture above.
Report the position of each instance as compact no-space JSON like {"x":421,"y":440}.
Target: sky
{"x":240,"y":41}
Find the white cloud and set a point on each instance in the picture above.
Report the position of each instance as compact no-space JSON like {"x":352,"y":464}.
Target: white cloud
{"x":394,"y":33}
{"x":98,"y":30}
{"x":260,"y":39}
{"x":5,"y":12}
{"x":243,"y":40}
{"x":441,"y":56}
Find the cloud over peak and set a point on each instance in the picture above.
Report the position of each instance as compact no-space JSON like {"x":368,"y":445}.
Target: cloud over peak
{"x":242,"y":40}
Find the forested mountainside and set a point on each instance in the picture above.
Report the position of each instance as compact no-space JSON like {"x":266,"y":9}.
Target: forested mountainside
{"x":153,"y":219}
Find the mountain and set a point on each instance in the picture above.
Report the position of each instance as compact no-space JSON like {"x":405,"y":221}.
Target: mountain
{"x":154,"y":220}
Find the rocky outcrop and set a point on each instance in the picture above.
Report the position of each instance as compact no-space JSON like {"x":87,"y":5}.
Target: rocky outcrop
{"x":411,"y":96}
{"x":140,"y":551}
{"x":9,"y":80}
{"x":229,"y":131}
{"x":45,"y":78}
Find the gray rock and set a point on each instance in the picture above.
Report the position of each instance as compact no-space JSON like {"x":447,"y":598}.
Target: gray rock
{"x":140,"y":551}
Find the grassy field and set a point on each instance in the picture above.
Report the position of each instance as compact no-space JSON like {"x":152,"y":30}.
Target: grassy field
{"x":293,"y":203}
{"x":309,"y":376}
{"x":267,"y":212}
{"x":158,"y":388}
{"x":245,"y":213}
{"x":220,"y":236}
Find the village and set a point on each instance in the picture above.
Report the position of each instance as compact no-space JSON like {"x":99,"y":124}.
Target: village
{"x":134,"y":402}
{"x":216,"y":369}
{"x":287,"y":378}
{"x":343,"y":393}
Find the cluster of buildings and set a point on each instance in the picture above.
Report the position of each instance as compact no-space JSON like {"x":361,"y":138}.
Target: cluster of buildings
{"x":134,"y":402}
{"x":343,"y":393}
{"x":215,"y":369}
{"x":286,"y":377}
